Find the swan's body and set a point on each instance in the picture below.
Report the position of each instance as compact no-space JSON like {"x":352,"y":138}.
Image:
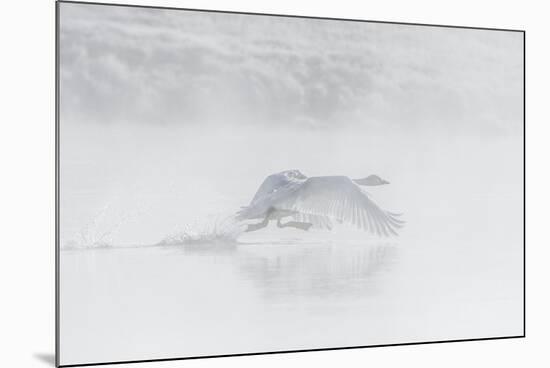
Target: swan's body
{"x":317,"y":201}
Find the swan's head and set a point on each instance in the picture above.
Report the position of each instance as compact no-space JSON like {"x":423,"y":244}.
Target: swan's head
{"x":371,"y":180}
{"x":294,"y":174}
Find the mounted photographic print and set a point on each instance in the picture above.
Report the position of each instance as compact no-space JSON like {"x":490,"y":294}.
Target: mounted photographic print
{"x":235,"y":183}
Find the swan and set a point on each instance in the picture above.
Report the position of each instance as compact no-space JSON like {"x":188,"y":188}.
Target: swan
{"x":318,"y":201}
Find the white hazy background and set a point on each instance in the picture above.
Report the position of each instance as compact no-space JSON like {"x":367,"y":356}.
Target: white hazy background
{"x":167,"y":116}
{"x":169,"y":119}
{"x":28,"y":332}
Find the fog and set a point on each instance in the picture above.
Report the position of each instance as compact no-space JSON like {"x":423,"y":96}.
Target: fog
{"x":150,"y":180}
{"x":169,"y":123}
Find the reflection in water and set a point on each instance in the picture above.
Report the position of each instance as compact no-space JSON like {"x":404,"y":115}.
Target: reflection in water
{"x":292,"y":294}
{"x":284,"y":270}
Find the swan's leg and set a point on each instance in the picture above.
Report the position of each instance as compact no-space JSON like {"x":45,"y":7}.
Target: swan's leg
{"x":264,"y":223}
{"x":258,"y":226}
{"x":298,"y":225}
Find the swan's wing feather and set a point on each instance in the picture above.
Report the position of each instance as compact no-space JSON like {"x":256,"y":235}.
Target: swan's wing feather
{"x":273,"y":183}
{"x":337,"y":197}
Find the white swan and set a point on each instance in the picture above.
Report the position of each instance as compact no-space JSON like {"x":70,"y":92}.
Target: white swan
{"x":318,"y":201}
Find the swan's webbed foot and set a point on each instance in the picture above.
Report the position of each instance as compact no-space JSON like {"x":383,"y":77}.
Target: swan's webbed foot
{"x":298,"y":225}
{"x":254,"y":227}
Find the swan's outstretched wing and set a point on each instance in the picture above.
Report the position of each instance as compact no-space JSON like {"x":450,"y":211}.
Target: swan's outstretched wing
{"x":275,"y":182}
{"x":339,"y":198}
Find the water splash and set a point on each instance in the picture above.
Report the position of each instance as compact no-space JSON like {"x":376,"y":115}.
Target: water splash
{"x":100,"y":230}
{"x":214,"y":230}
